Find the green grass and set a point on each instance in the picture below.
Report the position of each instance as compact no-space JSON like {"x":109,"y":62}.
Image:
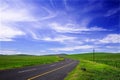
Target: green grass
{"x":105,"y":67}
{"x":9,"y":62}
{"x":105,"y":58}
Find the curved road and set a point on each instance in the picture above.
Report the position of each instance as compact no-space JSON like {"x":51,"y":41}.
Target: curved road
{"x":54,"y":71}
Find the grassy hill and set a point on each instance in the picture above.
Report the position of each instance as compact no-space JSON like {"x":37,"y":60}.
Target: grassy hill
{"x":106,"y":66}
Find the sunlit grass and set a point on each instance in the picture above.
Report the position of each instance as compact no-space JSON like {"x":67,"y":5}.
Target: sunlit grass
{"x":8,"y":62}
{"x":106,"y":58}
{"x":95,"y":70}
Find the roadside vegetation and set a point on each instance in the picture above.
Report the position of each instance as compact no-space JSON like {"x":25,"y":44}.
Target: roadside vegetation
{"x":105,"y":66}
{"x":13,"y":61}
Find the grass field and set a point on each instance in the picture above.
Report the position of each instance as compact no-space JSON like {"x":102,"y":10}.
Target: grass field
{"x":8,"y":62}
{"x":106,"y":66}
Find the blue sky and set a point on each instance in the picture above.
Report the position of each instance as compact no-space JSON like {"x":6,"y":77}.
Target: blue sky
{"x":59,"y":26}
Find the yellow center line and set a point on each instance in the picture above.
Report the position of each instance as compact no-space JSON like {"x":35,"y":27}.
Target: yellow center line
{"x":49,"y":72}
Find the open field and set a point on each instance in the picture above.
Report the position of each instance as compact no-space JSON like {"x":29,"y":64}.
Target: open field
{"x":106,"y":58}
{"x":106,"y":66}
{"x":8,"y":62}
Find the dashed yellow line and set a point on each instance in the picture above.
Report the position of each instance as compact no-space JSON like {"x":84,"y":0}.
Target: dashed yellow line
{"x":49,"y":72}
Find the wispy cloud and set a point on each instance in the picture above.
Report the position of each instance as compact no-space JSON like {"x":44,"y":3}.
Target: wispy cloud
{"x":58,"y":38}
{"x":9,"y":52}
{"x":14,"y":11}
{"x":112,"y":12}
{"x":66,"y":5}
{"x":8,"y":33}
{"x":91,"y":40}
{"x":111,"y":38}
{"x":96,"y":28}
{"x":63,"y":28}
{"x":20,"y":13}
{"x":73,"y":28}
{"x":74,"y":25}
{"x":50,"y":14}
{"x":73,"y":48}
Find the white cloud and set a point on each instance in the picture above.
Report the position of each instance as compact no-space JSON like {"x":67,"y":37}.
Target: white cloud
{"x":14,"y":11}
{"x":73,"y":28}
{"x":63,"y":28}
{"x":96,"y":28}
{"x":19,"y":10}
{"x":90,"y":40}
{"x":15,"y":15}
{"x":72,"y":48}
{"x":59,"y":38}
{"x":11,"y":12}
{"x":8,"y":33}
{"x":66,"y":5}
{"x":50,"y":14}
{"x":52,"y":38}
{"x":111,"y":38}
{"x":9,"y":52}
{"x":112,"y":12}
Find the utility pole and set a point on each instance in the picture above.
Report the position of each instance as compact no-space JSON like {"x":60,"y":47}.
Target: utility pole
{"x":93,"y":54}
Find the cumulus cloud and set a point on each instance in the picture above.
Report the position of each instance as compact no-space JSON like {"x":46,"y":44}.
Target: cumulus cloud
{"x":111,"y":38}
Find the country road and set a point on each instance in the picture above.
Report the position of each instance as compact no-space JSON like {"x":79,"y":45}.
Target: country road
{"x":54,"y":71}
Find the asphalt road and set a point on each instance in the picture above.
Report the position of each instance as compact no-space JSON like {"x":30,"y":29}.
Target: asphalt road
{"x":54,"y":71}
